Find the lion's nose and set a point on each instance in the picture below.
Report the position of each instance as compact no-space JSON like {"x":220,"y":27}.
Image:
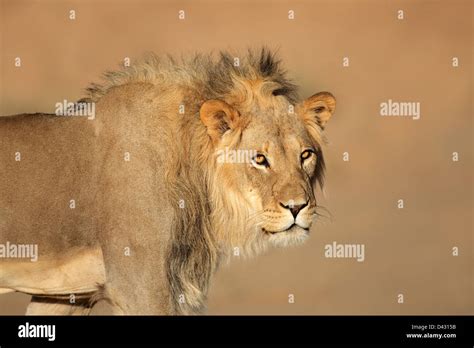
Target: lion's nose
{"x":294,"y":208}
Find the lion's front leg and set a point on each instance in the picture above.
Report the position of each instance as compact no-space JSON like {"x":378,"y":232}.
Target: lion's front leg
{"x":135,"y":222}
{"x":136,"y":282}
{"x":137,"y":292}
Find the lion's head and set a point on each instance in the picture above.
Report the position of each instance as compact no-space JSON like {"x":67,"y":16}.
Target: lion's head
{"x":267,"y":161}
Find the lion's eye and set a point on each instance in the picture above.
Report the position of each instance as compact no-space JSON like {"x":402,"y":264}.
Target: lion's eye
{"x":306,"y":154}
{"x":261,"y":160}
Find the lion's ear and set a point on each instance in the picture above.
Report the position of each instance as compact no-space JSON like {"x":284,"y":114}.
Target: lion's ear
{"x":319,"y":107}
{"x":218,"y":117}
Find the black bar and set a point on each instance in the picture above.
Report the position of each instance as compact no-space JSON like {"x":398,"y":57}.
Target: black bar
{"x":290,"y":330}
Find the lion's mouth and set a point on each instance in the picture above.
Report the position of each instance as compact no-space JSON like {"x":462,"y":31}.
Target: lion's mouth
{"x":292,"y":228}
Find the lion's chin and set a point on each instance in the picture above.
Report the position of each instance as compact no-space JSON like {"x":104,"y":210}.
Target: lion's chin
{"x":295,"y":235}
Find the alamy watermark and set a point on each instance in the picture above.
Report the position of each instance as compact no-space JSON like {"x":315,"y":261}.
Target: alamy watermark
{"x":65,"y":108}
{"x":20,"y":251}
{"x":404,"y":109}
{"x":346,"y":251}
{"x":235,"y":156}
{"x":28,"y":330}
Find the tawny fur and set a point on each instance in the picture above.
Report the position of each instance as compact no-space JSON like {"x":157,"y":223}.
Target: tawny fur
{"x":164,"y":219}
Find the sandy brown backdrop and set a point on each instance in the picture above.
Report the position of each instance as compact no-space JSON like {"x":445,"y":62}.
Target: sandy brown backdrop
{"x":407,"y":251}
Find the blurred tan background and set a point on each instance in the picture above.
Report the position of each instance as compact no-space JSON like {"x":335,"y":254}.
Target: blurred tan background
{"x":407,"y":251}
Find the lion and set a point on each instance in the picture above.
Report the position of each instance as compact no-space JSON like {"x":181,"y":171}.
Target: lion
{"x":185,"y":161}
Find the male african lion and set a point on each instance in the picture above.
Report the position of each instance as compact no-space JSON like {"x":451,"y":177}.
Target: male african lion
{"x":184,"y":162}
